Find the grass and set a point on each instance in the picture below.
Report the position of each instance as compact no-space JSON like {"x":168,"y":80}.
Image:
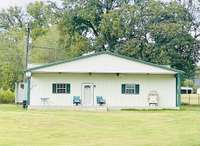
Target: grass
{"x":115,"y":128}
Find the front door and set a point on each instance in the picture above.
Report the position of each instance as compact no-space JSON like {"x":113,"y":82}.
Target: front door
{"x":87,"y":94}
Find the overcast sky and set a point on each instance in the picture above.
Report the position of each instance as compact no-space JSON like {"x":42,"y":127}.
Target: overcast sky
{"x":8,"y":3}
{"x":23,"y":3}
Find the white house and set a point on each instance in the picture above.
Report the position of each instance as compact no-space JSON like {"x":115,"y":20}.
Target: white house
{"x":105,"y":78}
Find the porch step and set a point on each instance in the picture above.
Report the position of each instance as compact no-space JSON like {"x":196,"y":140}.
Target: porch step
{"x":75,"y":108}
{"x":91,"y":108}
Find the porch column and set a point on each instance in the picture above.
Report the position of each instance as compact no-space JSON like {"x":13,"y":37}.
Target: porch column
{"x":178,"y":90}
{"x":27,"y":88}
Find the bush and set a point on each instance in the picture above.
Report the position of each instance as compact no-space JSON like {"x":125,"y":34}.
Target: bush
{"x":188,"y":83}
{"x":7,"y":96}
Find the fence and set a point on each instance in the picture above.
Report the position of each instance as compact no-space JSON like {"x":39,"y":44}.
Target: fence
{"x":190,"y":99}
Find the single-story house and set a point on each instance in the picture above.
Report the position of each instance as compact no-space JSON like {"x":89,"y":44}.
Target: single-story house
{"x":102,"y":79}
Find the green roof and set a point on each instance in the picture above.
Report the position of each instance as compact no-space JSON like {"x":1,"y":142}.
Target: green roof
{"x":109,"y":53}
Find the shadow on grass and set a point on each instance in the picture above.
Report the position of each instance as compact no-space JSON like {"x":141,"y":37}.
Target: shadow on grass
{"x":149,"y":110}
{"x":189,"y":107}
{"x":184,"y":107}
{"x":11,"y":107}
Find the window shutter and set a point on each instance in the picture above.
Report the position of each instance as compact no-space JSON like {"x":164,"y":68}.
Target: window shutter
{"x":137,"y":89}
{"x":123,"y":88}
{"x":68,"y":86}
{"x":53,"y":88}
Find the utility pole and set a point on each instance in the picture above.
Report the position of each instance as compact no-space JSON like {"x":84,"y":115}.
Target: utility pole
{"x":27,"y":46}
{"x":26,"y":77}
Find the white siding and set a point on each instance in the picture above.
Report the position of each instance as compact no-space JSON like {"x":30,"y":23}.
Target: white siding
{"x":107,"y":85}
{"x":19,"y":93}
{"x":105,"y":63}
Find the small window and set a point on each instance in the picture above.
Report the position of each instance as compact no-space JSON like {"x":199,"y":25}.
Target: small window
{"x":60,"y":88}
{"x":130,"y":89}
{"x":22,"y":86}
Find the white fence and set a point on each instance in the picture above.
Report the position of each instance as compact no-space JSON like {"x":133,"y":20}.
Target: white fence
{"x":190,"y":99}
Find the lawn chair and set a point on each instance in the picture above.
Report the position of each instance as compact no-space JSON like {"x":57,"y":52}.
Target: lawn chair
{"x":153,"y":98}
{"x":76,"y":100}
{"x":100,"y":100}
{"x":44,"y":100}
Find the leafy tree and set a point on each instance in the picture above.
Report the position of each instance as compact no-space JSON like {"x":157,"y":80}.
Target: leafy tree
{"x":41,"y":18}
{"x":11,"y":55}
{"x":188,"y":83}
{"x":46,"y":48}
{"x":12,"y":17}
{"x":149,"y":30}
{"x":12,"y":38}
{"x":156,"y":31}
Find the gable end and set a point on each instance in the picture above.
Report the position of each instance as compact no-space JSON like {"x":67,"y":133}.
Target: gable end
{"x":109,"y":53}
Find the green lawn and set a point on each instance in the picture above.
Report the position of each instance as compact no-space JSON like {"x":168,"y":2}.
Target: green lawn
{"x":115,"y":128}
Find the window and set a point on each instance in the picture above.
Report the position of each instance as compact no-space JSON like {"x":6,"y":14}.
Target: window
{"x":60,"y":88}
{"x":22,"y":86}
{"x":130,"y":88}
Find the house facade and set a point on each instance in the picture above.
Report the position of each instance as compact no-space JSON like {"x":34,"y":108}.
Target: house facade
{"x":121,"y":82}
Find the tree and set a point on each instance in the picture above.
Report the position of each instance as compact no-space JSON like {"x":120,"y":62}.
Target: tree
{"x":188,"y":83}
{"x":13,"y":17}
{"x":11,"y":56}
{"x":149,"y":30}
{"x":39,"y":14}
{"x":14,"y":21}
{"x":41,"y":17}
{"x":155,"y":31}
{"x":173,"y":34}
{"x":46,"y":48}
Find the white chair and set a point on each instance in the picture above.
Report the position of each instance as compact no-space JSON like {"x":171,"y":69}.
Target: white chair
{"x":44,"y":100}
{"x":153,"y":98}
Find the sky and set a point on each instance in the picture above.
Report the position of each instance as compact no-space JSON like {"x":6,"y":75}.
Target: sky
{"x":7,"y":3}
{"x":23,"y":3}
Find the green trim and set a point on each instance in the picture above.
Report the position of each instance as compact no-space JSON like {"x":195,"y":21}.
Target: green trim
{"x":53,"y":88}
{"x":137,"y":89}
{"x":27,"y":91}
{"x":68,"y":88}
{"x":109,"y":53}
{"x":178,"y":90}
{"x":123,"y":88}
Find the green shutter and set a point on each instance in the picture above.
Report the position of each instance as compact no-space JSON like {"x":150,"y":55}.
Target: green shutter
{"x":123,"y":88}
{"x":137,"y":89}
{"x":53,"y":88}
{"x":68,"y":86}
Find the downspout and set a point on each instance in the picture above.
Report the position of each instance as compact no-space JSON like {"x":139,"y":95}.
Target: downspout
{"x":178,"y":90}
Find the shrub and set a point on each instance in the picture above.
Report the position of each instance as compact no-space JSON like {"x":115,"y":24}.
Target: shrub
{"x":7,"y":96}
